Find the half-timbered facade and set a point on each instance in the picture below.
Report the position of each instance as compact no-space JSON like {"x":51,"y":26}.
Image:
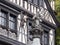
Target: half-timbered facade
{"x":27,"y":22}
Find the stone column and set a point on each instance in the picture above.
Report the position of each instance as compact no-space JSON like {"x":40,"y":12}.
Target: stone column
{"x":36,"y":41}
{"x":35,"y":36}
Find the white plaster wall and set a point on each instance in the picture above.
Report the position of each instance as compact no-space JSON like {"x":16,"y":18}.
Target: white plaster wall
{"x":51,"y":37}
{"x":52,"y":4}
{"x":25,"y":4}
{"x":22,"y":31}
{"x":17,"y":2}
{"x":45,"y":5}
{"x":38,"y":9}
{"x":28,"y":7}
{"x":32,"y":8}
{"x":18,"y":22}
{"x":21,"y":3}
{"x":13,"y":1}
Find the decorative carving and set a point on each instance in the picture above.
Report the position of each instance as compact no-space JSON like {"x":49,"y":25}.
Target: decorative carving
{"x":3,"y":32}
{"x":12,"y":35}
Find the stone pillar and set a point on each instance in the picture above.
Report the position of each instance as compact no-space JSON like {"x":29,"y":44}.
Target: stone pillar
{"x":36,"y":41}
{"x":35,"y":37}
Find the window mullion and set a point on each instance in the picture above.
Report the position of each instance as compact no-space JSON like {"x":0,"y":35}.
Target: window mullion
{"x":8,"y":23}
{"x":16,"y":28}
{"x":0,"y":16}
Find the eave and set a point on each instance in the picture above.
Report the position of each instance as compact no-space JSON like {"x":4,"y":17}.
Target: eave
{"x":16,"y":7}
{"x":49,"y":24}
{"x":19,"y":9}
{"x":9,"y":41}
{"x":51,"y":11}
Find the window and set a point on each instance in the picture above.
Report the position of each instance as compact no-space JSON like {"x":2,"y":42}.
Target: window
{"x":46,"y":40}
{"x":12,"y":27}
{"x":3,"y":18}
{"x":8,"y":22}
{"x":12,"y":22}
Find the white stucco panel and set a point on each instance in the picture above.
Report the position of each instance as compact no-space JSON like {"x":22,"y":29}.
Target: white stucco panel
{"x":51,"y":37}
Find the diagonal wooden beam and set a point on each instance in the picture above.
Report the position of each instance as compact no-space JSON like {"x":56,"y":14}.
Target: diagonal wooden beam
{"x":51,"y":11}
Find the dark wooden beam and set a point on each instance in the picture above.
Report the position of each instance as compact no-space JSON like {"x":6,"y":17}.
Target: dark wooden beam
{"x":51,"y":11}
{"x":10,"y":41}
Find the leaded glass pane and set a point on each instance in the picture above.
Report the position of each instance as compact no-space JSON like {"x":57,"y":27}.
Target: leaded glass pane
{"x":11,"y":25}
{"x":12,"y":18}
{"x":3,"y":21}
{"x":3,"y":14}
{"x":46,"y":39}
{"x":3,"y":18}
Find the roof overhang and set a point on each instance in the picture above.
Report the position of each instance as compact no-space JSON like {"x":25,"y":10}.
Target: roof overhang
{"x":16,"y":7}
{"x":9,"y":41}
{"x":51,"y":11}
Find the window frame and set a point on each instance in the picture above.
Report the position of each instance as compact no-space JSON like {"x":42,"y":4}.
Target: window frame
{"x":7,"y":19}
{"x":4,"y":27}
{"x":2,"y":17}
{"x":47,"y":37}
{"x":13,"y":22}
